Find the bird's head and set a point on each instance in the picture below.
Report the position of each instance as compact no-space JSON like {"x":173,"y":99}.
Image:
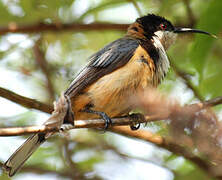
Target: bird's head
{"x":156,"y":27}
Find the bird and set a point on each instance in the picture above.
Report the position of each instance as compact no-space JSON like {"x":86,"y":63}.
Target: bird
{"x":118,"y":71}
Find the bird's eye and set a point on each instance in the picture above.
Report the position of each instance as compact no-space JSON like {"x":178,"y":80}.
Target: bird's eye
{"x":163,"y":26}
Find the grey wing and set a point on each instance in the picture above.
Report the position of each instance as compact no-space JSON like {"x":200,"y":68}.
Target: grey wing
{"x":108,"y":59}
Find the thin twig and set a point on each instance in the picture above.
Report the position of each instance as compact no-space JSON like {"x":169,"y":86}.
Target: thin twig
{"x":42,"y":170}
{"x":41,"y":27}
{"x":44,"y":66}
{"x":190,"y":12}
{"x":187,"y":81}
{"x":71,"y":165}
{"x":212,"y":102}
{"x":135,"y":4}
{"x":68,"y":155}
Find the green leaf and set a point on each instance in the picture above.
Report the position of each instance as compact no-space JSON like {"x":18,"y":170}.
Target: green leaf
{"x":201,"y":48}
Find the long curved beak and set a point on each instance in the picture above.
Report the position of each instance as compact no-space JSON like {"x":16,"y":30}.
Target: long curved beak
{"x":189,"y":30}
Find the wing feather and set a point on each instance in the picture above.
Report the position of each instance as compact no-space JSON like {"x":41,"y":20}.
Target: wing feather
{"x":107,"y":60}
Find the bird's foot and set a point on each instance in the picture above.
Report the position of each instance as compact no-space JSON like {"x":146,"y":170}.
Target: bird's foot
{"x":103,"y":115}
{"x":107,"y":119}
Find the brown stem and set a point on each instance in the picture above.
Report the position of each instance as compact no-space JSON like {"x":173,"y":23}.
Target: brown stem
{"x":36,"y":28}
{"x":139,"y":134}
{"x":160,"y":142}
{"x":135,"y":4}
{"x":187,"y":81}
{"x":93,"y":123}
{"x":24,"y":101}
{"x":189,"y":12}
{"x":44,"y":66}
{"x":41,"y":27}
{"x":71,"y":165}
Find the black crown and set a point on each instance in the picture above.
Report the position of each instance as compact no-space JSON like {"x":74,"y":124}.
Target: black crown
{"x":151,"y":23}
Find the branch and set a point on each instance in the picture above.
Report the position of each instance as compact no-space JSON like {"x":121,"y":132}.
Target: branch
{"x":193,"y":129}
{"x":186,"y":80}
{"x":93,"y":123}
{"x":41,"y":27}
{"x":24,"y":101}
{"x":31,"y":103}
{"x":161,"y":142}
{"x":139,"y":134}
{"x":204,"y":127}
{"x":125,"y":130}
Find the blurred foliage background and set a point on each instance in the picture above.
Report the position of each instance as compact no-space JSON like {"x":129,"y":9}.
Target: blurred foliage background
{"x":41,"y":65}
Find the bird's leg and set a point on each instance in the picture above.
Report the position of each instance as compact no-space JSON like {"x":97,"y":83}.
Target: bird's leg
{"x":135,"y":120}
{"x":103,"y":115}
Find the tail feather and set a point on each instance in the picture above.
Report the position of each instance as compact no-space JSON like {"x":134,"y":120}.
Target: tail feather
{"x":20,"y":156}
{"x":61,"y":108}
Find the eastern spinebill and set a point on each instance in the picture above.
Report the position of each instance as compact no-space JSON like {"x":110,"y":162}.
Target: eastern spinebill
{"x":118,"y":71}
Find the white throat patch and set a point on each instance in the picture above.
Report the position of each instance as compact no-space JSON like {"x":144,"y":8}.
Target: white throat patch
{"x":166,"y":38}
{"x":162,"y":41}
{"x":162,"y":65}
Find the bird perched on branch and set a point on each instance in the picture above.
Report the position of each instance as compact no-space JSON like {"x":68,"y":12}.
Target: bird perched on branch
{"x":114,"y":74}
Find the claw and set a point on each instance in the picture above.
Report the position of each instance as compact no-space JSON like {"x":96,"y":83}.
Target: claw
{"x":135,"y":118}
{"x":107,"y":119}
{"x":134,"y":128}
